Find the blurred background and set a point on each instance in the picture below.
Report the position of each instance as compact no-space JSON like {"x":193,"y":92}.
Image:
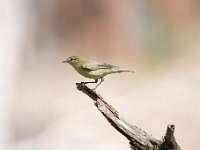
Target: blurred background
{"x":40,"y":108}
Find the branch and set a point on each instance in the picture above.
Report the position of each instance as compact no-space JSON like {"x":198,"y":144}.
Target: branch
{"x":138,"y":139}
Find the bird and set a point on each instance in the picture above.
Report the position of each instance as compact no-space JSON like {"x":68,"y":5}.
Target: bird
{"x":93,"y":69}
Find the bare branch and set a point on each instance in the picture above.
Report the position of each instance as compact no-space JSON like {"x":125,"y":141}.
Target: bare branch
{"x":138,"y":139}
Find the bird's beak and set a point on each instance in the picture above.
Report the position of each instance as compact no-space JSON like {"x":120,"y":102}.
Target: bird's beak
{"x":65,"y":61}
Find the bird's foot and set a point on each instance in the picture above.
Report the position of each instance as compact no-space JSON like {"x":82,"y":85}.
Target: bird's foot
{"x":94,"y":89}
{"x":83,"y":83}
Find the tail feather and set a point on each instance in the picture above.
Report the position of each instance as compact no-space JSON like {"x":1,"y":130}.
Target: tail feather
{"x":123,"y":70}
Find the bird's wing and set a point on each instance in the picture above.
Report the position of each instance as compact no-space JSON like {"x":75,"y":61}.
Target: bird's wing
{"x":94,"y":65}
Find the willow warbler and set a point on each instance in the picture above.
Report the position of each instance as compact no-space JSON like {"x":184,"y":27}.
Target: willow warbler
{"x":93,"y":69}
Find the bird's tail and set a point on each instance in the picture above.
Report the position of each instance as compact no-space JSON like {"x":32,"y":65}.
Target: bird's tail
{"x":123,"y":70}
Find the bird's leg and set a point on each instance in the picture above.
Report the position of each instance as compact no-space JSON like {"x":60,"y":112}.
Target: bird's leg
{"x":96,"y":80}
{"x":102,"y":79}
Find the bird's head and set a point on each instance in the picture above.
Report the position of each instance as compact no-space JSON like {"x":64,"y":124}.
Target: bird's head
{"x":71,"y":60}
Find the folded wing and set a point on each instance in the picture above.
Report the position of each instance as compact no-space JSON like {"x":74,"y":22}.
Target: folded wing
{"x":94,"y":65}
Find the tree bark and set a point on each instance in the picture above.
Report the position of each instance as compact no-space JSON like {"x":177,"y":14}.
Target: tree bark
{"x":138,"y":139}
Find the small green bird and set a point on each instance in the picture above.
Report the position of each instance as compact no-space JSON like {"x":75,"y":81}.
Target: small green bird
{"x":93,"y":69}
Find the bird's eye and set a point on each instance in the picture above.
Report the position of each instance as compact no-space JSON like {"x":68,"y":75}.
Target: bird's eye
{"x":72,"y":59}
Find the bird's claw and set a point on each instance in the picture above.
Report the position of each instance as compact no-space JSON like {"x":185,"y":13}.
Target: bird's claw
{"x":83,"y":83}
{"x":94,"y":89}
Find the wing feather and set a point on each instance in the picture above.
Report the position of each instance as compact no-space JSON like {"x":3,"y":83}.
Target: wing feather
{"x":94,"y":65}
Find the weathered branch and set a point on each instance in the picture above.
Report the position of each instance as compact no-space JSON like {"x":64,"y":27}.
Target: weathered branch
{"x":138,"y":139}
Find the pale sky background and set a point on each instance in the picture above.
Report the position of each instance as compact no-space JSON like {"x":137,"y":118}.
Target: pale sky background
{"x":40,"y":108}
